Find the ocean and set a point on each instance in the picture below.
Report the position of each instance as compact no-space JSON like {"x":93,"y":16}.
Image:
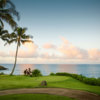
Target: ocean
{"x":89,"y":70}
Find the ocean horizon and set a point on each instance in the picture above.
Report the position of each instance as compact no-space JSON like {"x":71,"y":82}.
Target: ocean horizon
{"x":89,"y":70}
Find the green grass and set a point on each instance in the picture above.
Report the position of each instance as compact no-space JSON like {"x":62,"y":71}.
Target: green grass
{"x":34,"y":97}
{"x":12,"y":82}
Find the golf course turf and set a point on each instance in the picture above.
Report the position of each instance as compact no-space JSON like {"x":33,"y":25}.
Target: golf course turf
{"x":34,"y":97}
{"x":14,"y":82}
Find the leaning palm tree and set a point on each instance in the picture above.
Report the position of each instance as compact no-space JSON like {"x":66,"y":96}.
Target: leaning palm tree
{"x":7,"y":13}
{"x":18,"y":37}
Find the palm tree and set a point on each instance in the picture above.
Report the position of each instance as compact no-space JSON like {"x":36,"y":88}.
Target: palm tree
{"x":18,"y":37}
{"x":7,"y":12}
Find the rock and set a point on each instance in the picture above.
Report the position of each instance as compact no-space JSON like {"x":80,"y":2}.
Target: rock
{"x":44,"y":83}
{"x":3,"y":68}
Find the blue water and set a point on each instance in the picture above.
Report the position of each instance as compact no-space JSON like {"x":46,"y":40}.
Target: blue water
{"x":89,"y":70}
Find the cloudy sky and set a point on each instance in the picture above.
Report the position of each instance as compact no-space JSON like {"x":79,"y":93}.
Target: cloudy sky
{"x":65,"y":31}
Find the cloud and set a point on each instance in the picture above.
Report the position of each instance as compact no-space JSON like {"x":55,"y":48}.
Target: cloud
{"x":49,"y":46}
{"x":64,"y":40}
{"x":63,"y":53}
{"x":94,"y":54}
{"x":29,"y":50}
{"x":47,"y":55}
{"x":71,"y":51}
{"x":3,"y":54}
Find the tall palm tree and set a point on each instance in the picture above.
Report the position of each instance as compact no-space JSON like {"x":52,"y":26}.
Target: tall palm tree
{"x":19,"y":37}
{"x":7,"y":13}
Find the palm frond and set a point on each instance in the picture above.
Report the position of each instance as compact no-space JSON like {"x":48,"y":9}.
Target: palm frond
{"x":19,"y":31}
{"x":24,"y":36}
{"x":25,"y":41}
{"x":2,"y":3}
{"x":24,"y":30}
{"x":9,"y":19}
{"x":10,"y":41}
{"x":17,"y":36}
{"x":3,"y":32}
{"x":11,"y":4}
{"x":8,"y":11}
{"x":13,"y":35}
{"x":5,"y":37}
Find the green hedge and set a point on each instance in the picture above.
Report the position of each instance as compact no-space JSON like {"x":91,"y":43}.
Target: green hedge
{"x":91,"y":81}
{"x":52,"y":74}
{"x":1,"y":73}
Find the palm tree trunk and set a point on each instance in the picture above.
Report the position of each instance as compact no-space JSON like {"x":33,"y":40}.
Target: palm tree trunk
{"x":15,"y":60}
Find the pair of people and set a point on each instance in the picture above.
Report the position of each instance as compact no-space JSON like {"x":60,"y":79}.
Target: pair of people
{"x":27,"y":71}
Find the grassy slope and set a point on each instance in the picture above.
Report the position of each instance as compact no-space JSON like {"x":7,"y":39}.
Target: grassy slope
{"x":10,"y":82}
{"x":34,"y":97}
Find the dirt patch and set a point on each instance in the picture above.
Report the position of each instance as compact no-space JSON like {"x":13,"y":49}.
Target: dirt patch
{"x":78,"y":94}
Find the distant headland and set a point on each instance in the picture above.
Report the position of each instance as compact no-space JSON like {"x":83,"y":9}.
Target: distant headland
{"x":3,"y":68}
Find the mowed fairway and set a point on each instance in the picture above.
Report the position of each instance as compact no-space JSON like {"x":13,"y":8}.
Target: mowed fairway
{"x":13,"y":82}
{"x":34,"y":97}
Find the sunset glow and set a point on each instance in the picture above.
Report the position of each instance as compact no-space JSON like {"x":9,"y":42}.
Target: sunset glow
{"x":67,"y":33}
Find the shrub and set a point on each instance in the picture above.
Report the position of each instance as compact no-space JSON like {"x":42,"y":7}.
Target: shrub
{"x":36,"y":73}
{"x":52,"y":74}
{"x":1,"y":73}
{"x":91,"y":81}
{"x":63,"y":74}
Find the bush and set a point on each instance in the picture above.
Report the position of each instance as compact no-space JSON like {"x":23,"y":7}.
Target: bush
{"x":36,"y":73}
{"x":91,"y":81}
{"x":1,"y":73}
{"x":63,"y":74}
{"x":52,"y":74}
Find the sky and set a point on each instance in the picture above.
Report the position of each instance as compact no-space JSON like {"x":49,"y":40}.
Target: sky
{"x":64,"y":31}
